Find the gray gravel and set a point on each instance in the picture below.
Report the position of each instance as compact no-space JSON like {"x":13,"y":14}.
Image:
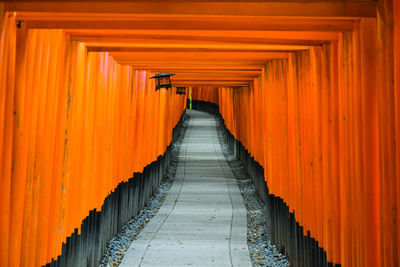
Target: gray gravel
{"x":119,"y":244}
{"x":262,"y":251}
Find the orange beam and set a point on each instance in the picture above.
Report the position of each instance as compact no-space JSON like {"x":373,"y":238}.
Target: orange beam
{"x":194,"y":75}
{"x":215,"y":71}
{"x":191,"y":66}
{"x":203,"y":22}
{"x":175,"y":34}
{"x":214,"y":40}
{"x":201,"y":56}
{"x":209,"y":79}
{"x":160,"y":47}
{"x":165,"y":22}
{"x":210,"y":83}
{"x":348,"y":9}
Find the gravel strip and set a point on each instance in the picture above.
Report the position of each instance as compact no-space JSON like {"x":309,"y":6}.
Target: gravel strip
{"x":119,"y":244}
{"x":262,"y":251}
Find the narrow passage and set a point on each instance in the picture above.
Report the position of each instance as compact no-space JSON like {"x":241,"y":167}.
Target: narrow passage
{"x":203,"y":220}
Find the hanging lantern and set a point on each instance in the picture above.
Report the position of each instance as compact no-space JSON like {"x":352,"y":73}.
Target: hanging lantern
{"x":162,"y":80}
{"x":181,"y":90}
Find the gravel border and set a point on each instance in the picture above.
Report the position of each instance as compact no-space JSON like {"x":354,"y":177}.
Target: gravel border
{"x":119,"y":244}
{"x":262,"y":251}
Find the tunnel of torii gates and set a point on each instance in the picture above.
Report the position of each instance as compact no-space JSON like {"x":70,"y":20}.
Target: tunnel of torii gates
{"x":311,"y":90}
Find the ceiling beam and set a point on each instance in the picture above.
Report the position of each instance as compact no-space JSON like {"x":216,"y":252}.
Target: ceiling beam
{"x":205,"y":35}
{"x":212,"y":84}
{"x":163,"y":66}
{"x":174,"y":66}
{"x":200,"y":77}
{"x":254,"y":73}
{"x":81,"y":21}
{"x":200,"y":56}
{"x":216,"y":75}
{"x":334,"y":9}
{"x":185,"y":48}
{"x":201,"y":41}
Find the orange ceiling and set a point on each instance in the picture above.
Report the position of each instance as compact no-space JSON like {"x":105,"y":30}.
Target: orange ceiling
{"x":206,"y":43}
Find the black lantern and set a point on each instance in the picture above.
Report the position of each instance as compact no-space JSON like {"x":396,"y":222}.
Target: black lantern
{"x":181,"y":90}
{"x":162,"y":80}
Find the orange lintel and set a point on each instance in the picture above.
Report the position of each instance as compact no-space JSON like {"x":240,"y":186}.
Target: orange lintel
{"x":277,"y":9}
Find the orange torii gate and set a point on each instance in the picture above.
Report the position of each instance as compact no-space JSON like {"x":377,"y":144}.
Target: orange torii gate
{"x":310,"y":89}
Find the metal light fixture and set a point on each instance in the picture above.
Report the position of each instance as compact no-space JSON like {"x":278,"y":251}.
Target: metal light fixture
{"x":181,"y":90}
{"x":162,"y":80}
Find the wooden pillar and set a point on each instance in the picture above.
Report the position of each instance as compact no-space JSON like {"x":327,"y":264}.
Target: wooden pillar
{"x":387,"y":136}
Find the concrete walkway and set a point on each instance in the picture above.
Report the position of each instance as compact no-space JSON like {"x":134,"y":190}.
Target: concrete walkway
{"x":203,"y":220}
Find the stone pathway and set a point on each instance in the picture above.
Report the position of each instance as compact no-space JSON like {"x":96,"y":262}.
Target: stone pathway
{"x":203,"y":220}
